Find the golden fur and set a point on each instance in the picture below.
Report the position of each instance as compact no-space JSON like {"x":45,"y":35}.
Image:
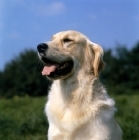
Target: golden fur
{"x":78,"y":106}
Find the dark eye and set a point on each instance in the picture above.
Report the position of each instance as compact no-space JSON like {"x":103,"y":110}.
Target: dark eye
{"x":66,"y":40}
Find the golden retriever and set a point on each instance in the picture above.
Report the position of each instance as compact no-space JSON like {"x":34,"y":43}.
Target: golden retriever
{"x":78,"y":106}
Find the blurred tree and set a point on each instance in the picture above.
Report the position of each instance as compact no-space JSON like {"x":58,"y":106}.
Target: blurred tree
{"x":133,"y":67}
{"x":121,"y":71}
{"x":20,"y":77}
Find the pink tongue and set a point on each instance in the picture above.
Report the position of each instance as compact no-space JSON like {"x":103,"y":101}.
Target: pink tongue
{"x":48,"y":69}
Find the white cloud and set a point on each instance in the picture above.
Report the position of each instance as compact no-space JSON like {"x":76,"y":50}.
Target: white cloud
{"x":40,"y":9}
{"x":51,"y":9}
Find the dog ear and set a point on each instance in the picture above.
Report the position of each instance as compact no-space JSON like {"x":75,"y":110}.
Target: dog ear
{"x":98,"y":63}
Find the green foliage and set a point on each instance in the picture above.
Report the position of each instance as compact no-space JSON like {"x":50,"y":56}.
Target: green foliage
{"x":127,"y":115}
{"x":24,"y":118}
{"x":121,"y":72}
{"x":20,"y":76}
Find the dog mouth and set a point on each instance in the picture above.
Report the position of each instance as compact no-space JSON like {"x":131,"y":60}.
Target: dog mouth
{"x":54,"y":69}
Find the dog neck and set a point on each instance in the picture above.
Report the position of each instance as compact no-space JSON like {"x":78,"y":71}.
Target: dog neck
{"x":77,"y":92}
{"x":77,"y":87}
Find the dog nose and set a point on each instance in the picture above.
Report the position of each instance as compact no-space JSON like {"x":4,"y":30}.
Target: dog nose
{"x":42,"y":47}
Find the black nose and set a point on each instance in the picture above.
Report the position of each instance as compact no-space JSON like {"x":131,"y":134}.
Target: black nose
{"x":42,"y":47}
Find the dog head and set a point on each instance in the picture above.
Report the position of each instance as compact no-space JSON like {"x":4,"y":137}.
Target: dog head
{"x":69,"y":52}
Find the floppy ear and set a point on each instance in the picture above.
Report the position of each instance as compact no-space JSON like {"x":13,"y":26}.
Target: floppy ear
{"x":98,"y":63}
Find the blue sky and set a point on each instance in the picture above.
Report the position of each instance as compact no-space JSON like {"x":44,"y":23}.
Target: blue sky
{"x":26,"y":23}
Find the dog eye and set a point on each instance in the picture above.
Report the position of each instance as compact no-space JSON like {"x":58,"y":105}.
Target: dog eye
{"x":66,"y":40}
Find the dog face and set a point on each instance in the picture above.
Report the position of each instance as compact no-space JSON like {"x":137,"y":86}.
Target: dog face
{"x":67,"y":53}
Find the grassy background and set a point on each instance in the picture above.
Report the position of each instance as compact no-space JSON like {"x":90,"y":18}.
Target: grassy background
{"x":24,"y":118}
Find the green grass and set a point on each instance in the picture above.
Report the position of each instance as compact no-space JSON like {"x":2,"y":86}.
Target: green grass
{"x":128,"y":115}
{"x":24,"y":118}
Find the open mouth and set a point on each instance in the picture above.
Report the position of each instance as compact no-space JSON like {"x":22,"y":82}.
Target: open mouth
{"x":54,"y":69}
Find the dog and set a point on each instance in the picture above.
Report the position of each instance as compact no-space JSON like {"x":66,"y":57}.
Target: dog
{"x":78,"y":106}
